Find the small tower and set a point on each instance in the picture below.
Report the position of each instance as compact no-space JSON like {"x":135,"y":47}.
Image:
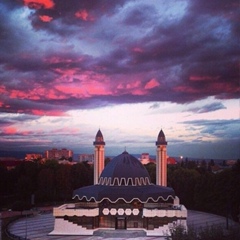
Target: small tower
{"x":99,"y":156}
{"x":161,"y":160}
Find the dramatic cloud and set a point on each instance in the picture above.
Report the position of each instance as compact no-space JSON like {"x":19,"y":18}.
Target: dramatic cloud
{"x":59,"y":56}
{"x":227,"y":129}
{"x":208,"y":108}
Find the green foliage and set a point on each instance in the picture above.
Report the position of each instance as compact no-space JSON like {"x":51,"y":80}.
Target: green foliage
{"x":151,"y":168}
{"x":183,"y":181}
{"x":82,"y":175}
{"x":200,"y":189}
{"x":63,"y":182}
{"x":196,"y":187}
{"x":46,"y":185}
{"x":48,"y":181}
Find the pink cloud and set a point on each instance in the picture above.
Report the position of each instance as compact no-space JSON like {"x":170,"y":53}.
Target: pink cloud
{"x":133,"y":88}
{"x":138,"y":92}
{"x":84,"y":89}
{"x":10,"y":130}
{"x":137,"y":50}
{"x":37,"y":93}
{"x":26,"y":133}
{"x":152,"y":84}
{"x":203,"y":78}
{"x":186,"y":89}
{"x":132,"y":85}
{"x":54,"y":113}
{"x":66,"y":73}
{"x":2,"y":89}
{"x":45,"y":18}
{"x":14,"y":131}
{"x":83,"y":15}
{"x":57,"y":59}
{"x":37,"y":4}
{"x":67,"y":130}
{"x":18,"y":94}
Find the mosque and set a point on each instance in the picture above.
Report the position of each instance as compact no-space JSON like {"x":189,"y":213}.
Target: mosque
{"x":123,"y":197}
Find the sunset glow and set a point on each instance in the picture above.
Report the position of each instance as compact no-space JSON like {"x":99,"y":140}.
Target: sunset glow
{"x":129,"y":68}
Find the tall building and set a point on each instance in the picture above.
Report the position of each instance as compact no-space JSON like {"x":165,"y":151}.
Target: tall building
{"x":122,"y":198}
{"x":58,"y":154}
{"x":86,"y":158}
{"x":99,"y":155}
{"x":161,"y":160}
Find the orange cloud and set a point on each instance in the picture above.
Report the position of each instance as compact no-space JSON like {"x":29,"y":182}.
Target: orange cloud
{"x":37,"y":4}
{"x":45,"y":18}
{"x":152,"y":84}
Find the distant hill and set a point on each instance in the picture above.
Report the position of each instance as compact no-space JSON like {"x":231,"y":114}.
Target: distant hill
{"x":14,"y":154}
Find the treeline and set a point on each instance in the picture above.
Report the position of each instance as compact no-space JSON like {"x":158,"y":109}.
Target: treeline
{"x":200,"y":189}
{"x":34,"y":182}
{"x":195,"y":184}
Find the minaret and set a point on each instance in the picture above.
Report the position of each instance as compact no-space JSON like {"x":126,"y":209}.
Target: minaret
{"x":161,"y":160}
{"x":99,"y":156}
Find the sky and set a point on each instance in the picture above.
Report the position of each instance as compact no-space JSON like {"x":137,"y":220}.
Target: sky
{"x":129,"y":68}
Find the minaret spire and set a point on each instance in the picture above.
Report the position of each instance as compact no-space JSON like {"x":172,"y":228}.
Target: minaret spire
{"x":99,"y":155}
{"x":161,"y":160}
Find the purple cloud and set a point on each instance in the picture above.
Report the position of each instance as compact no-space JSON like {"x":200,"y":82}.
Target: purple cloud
{"x":94,"y":53}
{"x":208,"y":108}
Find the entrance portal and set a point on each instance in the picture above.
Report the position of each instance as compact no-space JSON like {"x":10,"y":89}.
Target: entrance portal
{"x":121,"y":223}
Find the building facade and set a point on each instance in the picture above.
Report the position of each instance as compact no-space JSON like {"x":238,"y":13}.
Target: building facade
{"x":33,"y":156}
{"x":57,"y":154}
{"x":123,"y":198}
{"x":86,"y":158}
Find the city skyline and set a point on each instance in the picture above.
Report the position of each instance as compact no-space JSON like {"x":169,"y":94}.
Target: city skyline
{"x":129,"y":68}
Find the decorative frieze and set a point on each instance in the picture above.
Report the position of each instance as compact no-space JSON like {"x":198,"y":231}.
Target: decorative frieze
{"x":63,"y":211}
{"x":121,"y":211}
{"x":165,"y":213}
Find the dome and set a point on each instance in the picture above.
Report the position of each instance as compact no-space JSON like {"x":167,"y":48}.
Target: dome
{"x":124,"y":170}
{"x":161,"y":140}
{"x":124,"y":178}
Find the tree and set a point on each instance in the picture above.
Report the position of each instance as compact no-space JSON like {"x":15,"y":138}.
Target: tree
{"x":81,"y":175}
{"x":151,"y":168}
{"x":63,"y":182}
{"x":46,"y":185}
{"x":204,"y":194}
{"x":183,"y":182}
{"x":26,"y":183}
{"x":234,"y":191}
